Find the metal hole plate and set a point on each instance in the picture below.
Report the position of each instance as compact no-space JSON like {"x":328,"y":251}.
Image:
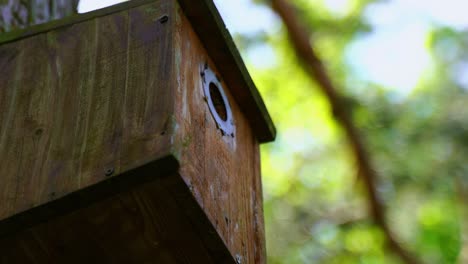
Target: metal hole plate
{"x":226,"y":125}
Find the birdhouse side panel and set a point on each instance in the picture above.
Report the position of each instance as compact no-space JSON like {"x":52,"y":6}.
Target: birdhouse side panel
{"x":218,"y":150}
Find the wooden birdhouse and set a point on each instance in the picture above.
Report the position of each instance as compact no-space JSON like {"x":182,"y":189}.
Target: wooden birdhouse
{"x":130,"y":135}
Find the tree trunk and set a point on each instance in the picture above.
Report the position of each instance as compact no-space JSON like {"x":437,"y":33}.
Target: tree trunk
{"x":15,"y":14}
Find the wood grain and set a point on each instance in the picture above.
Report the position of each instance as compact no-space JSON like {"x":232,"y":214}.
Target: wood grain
{"x":223,"y":172}
{"x":82,"y":103}
{"x":141,"y":225}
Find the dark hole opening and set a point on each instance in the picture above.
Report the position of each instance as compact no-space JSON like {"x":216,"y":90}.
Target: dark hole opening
{"x":163,"y":19}
{"x":218,"y":101}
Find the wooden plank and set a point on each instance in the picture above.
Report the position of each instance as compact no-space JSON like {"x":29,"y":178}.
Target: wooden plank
{"x":222,"y":171}
{"x":149,"y":100}
{"x":83,"y":103}
{"x":85,"y":197}
{"x":144,"y":224}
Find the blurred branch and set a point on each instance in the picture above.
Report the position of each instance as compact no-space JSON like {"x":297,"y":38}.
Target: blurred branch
{"x":313,"y":65}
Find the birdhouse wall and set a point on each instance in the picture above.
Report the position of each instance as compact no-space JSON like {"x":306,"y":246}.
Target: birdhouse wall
{"x":222,"y":170}
{"x":83,"y":103}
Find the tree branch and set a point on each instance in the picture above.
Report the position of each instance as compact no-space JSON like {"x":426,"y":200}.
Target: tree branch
{"x":315,"y":69}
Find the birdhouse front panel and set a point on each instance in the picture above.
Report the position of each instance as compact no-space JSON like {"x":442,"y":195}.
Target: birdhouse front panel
{"x":82,"y":103}
{"x":219,"y":153}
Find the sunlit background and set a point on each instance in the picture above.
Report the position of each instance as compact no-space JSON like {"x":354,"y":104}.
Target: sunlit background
{"x":403,"y":66}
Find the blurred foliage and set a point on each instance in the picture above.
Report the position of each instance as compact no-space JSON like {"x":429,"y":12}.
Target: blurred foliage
{"x":315,"y":207}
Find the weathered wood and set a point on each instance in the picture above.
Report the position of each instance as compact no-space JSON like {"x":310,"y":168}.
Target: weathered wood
{"x":222,"y":171}
{"x":75,"y":110}
{"x":141,"y":225}
{"x":87,"y":196}
{"x":97,"y":115}
{"x":212,"y":31}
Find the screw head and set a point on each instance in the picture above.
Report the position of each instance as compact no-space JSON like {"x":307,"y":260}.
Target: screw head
{"x":238,"y":259}
{"x":109,"y":172}
{"x":163,"y":19}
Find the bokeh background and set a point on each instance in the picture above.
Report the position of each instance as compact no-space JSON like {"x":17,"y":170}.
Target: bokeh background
{"x":403,"y":67}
